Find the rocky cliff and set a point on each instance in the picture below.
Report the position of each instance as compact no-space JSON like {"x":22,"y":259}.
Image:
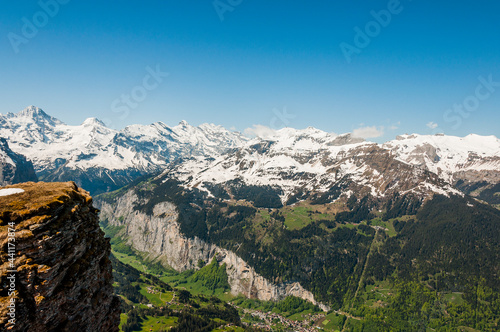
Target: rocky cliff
{"x":55,"y":274}
{"x":159,"y":236}
{"x":14,"y":168}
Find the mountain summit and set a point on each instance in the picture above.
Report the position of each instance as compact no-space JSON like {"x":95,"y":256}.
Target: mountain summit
{"x":36,"y":115}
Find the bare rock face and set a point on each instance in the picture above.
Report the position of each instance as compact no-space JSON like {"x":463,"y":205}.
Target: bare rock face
{"x":14,"y":168}
{"x":59,"y":264}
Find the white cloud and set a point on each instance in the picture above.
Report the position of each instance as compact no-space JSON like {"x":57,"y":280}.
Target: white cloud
{"x":432,"y":125}
{"x":368,"y":132}
{"x":395,"y":126}
{"x":260,"y":131}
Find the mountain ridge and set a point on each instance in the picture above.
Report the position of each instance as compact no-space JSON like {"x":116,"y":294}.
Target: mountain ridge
{"x":103,"y":159}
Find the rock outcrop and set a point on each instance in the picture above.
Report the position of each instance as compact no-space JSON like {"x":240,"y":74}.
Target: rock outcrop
{"x":56,"y":274}
{"x":14,"y":168}
{"x":159,"y":237}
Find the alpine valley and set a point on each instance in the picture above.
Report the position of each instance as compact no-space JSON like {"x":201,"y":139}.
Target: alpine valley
{"x":300,"y":231}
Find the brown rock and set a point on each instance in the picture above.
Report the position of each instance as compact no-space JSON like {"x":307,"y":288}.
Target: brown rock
{"x":63,"y":276}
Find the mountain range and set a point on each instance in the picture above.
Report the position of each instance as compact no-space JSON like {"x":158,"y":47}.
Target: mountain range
{"x":102,"y":159}
{"x":291,"y":161}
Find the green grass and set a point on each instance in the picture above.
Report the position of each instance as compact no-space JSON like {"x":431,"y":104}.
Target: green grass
{"x":175,"y":279}
{"x":141,"y":265}
{"x":123,"y":320}
{"x":333,"y":322}
{"x":197,"y":288}
{"x":353,"y":324}
{"x":455,"y":298}
{"x":385,"y":224}
{"x":156,"y":323}
{"x":184,"y":280}
{"x":376,"y":295}
{"x":154,"y":299}
{"x":130,"y":260}
{"x":300,"y":316}
{"x":264,"y":214}
{"x":466,"y":329}
{"x":297,"y":217}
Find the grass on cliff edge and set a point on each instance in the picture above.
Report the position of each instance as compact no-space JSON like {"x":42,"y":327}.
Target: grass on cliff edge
{"x":38,"y":199}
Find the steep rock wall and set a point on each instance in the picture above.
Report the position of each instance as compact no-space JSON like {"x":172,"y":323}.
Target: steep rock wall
{"x":62,"y":273}
{"x":14,"y":168}
{"x":159,"y":235}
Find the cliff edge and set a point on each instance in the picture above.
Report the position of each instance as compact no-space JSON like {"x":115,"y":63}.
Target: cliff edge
{"x":55,"y":274}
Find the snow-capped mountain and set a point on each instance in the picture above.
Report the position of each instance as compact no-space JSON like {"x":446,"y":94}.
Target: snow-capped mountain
{"x":101,"y":159}
{"x":470,"y":163}
{"x":292,"y":162}
{"x":448,"y":156}
{"x":310,"y":163}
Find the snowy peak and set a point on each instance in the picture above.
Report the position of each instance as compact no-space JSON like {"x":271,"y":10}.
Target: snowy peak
{"x":332,"y":171}
{"x":93,"y":122}
{"x":309,"y":139}
{"x":471,"y":141}
{"x":32,"y":111}
{"x":449,"y":153}
{"x":471,"y":163}
{"x":309,"y":162}
{"x":35,"y":115}
{"x":294,"y":160}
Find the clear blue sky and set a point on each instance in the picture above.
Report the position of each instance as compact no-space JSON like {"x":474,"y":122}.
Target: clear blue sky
{"x":262,"y":58}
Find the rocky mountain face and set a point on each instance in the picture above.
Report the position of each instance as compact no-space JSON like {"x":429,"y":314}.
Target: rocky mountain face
{"x":158,"y":235}
{"x":58,"y":266}
{"x":471,"y":163}
{"x":101,"y":159}
{"x":295,"y":166}
{"x":14,"y":168}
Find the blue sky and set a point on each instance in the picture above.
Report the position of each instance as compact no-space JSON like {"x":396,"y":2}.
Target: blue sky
{"x":423,"y":68}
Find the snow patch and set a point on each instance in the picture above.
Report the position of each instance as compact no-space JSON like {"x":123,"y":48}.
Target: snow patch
{"x":10,"y":191}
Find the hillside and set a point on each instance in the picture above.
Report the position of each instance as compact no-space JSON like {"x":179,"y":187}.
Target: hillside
{"x":343,"y":251}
